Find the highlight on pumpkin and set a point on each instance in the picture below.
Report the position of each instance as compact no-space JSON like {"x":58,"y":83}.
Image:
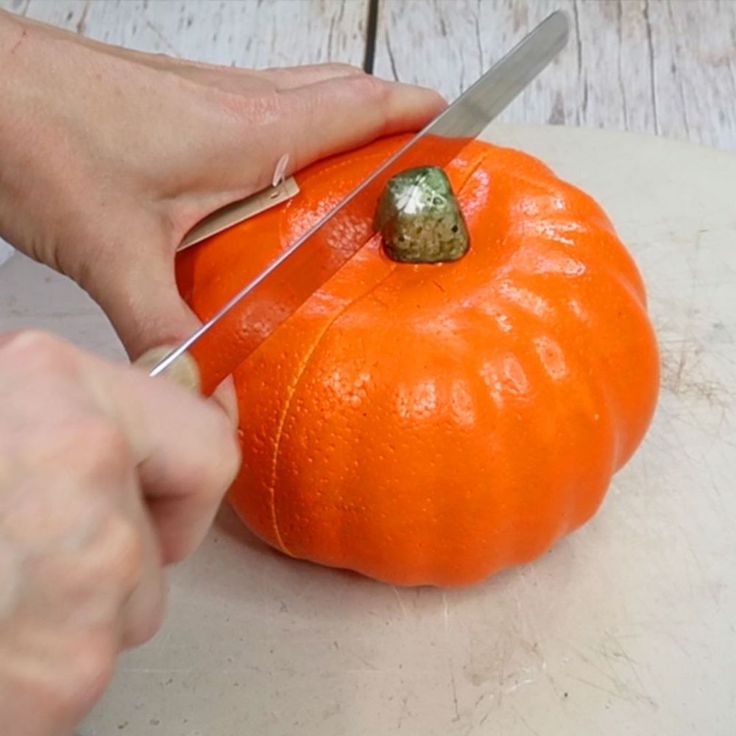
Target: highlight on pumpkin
{"x":420,"y":219}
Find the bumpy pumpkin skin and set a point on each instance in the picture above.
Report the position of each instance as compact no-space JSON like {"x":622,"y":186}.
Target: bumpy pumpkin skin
{"x":432,"y":424}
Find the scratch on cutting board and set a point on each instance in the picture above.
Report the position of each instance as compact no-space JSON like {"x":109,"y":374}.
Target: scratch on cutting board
{"x":445,"y":611}
{"x":404,"y":712}
{"x":456,"y":717}
{"x":366,"y":662}
{"x":520,"y":683}
{"x":679,"y":374}
{"x":701,"y":571}
{"x":504,"y":661}
{"x":618,"y":652}
{"x":618,"y":686}
{"x":239,"y":670}
{"x":526,"y":723}
{"x":602,"y":688}
{"x":159,"y":670}
{"x":403,"y":608}
{"x":681,"y":358}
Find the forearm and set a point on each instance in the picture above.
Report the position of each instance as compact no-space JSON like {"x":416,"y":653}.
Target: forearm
{"x":12,"y":34}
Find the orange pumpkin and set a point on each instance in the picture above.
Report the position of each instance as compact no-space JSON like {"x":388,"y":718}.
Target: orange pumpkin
{"x":432,"y":424}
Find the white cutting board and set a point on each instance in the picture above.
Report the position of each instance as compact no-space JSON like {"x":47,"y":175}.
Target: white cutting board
{"x":627,"y":627}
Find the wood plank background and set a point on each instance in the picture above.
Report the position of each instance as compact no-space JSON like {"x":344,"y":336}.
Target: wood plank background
{"x":250,"y":33}
{"x":658,"y":66}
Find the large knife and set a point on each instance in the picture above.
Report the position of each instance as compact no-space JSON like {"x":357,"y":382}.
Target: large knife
{"x":215,"y":350}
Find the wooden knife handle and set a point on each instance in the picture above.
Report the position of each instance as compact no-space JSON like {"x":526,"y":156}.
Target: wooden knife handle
{"x":183,"y":370}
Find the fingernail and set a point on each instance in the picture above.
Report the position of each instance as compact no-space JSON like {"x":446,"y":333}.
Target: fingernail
{"x":279,"y":174}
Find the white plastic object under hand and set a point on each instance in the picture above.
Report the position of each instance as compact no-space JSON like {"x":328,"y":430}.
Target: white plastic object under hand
{"x":6,"y":251}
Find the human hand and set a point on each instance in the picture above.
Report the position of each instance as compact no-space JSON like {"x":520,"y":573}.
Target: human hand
{"x":106,"y":475}
{"x":108,"y":156}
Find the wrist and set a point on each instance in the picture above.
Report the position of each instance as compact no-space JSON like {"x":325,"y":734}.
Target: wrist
{"x":29,"y":133}
{"x":13,"y":32}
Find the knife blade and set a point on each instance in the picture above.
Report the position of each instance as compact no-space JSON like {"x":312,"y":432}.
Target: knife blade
{"x":252,"y":314}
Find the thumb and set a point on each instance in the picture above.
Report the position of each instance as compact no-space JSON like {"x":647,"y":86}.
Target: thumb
{"x":142,"y":301}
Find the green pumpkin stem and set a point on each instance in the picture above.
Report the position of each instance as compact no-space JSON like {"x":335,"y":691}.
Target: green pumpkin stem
{"x":420,"y":219}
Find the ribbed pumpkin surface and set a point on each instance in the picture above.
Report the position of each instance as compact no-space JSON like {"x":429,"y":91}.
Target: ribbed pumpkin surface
{"x":436,"y":423}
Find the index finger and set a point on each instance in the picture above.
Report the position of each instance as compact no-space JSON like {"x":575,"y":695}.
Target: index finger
{"x":342,"y":113}
{"x":185,"y":448}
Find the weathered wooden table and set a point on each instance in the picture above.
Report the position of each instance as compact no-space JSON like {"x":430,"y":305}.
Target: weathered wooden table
{"x":627,"y":626}
{"x":656,"y":66}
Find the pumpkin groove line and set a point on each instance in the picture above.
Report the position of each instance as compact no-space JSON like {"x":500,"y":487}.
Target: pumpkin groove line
{"x":277,"y":443}
{"x":284,"y":414}
{"x":288,"y":403}
{"x":308,"y":360}
{"x":469,"y":176}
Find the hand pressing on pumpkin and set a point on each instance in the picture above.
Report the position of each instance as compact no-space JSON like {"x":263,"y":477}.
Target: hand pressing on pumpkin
{"x":105,"y":476}
{"x":108,"y":156}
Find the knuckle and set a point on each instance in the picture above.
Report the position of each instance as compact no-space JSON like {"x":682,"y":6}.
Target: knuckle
{"x":103,"y":564}
{"x":258,"y":110}
{"x":97,"y":465}
{"x":39,"y":350}
{"x":366,"y":87}
{"x":338,"y":66}
{"x":119,"y":560}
